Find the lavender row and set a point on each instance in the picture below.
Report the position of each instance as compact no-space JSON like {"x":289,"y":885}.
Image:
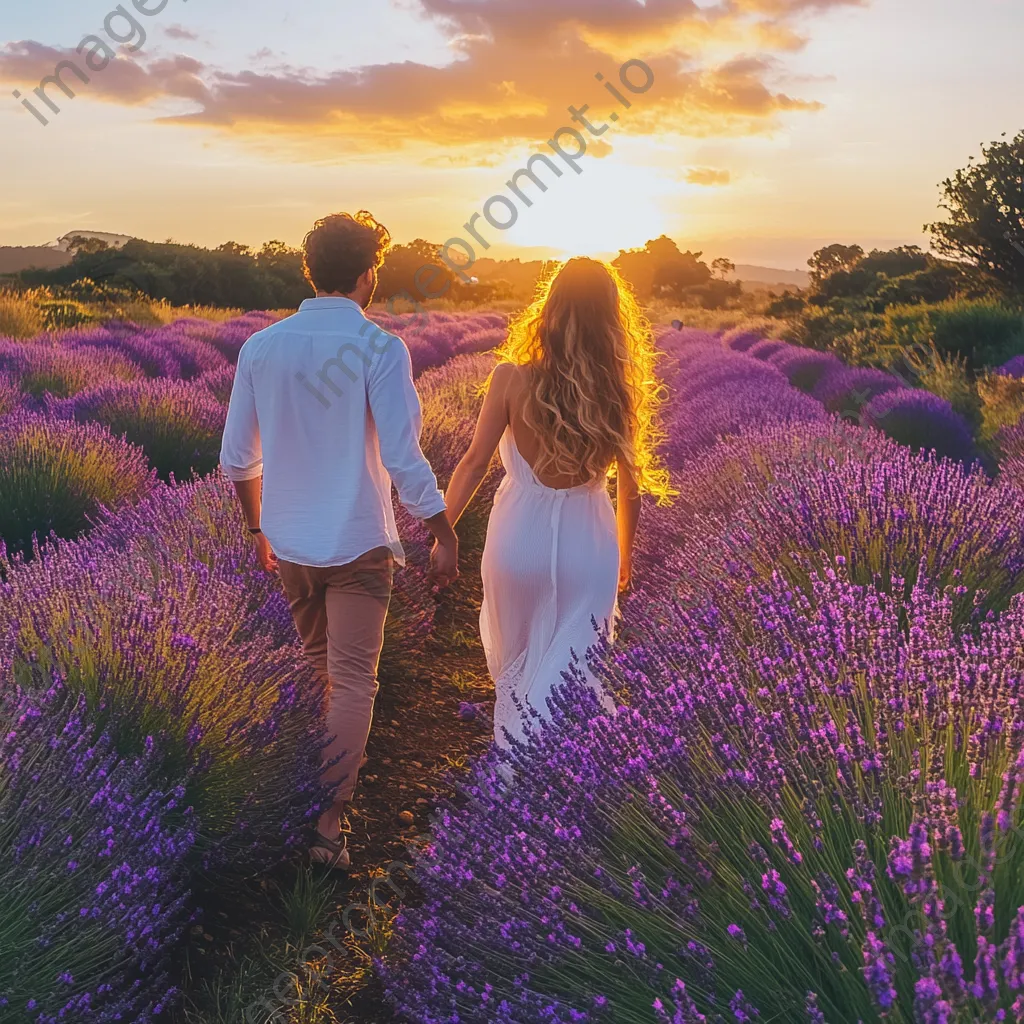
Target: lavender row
{"x":807,"y":803}
{"x":162,"y":731}
{"x":916,"y":418}
{"x":61,"y":365}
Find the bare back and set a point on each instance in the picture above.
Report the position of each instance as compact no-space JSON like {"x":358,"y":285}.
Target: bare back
{"x":526,"y":438}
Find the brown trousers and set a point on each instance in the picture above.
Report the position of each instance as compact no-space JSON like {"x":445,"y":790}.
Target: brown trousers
{"x":339,"y":612}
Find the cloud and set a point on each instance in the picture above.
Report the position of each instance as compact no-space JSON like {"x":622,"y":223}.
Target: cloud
{"x":517,"y":66}
{"x":124,"y":81}
{"x":708,"y":176}
{"x":180,"y":32}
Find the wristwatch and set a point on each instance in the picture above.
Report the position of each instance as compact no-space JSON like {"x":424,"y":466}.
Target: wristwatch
{"x":254,"y":530}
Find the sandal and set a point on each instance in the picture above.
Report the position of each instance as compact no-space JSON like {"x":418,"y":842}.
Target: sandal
{"x":330,"y":853}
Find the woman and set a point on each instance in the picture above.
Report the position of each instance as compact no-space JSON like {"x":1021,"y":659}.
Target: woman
{"x":572,"y":402}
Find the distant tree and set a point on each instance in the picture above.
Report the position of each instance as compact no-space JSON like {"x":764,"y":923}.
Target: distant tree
{"x":661,"y":269}
{"x":276,"y":253}
{"x":898,"y":262}
{"x":885,"y":277}
{"x":87,"y":244}
{"x":832,"y":258}
{"x":414,"y":269}
{"x":228,"y":276}
{"x":234,"y":249}
{"x":717,"y":294}
{"x":785,"y":305}
{"x":985,"y":202}
{"x":723,"y":267}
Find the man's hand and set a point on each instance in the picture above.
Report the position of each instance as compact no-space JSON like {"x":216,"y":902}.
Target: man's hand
{"x":265,"y":553}
{"x":444,"y":563}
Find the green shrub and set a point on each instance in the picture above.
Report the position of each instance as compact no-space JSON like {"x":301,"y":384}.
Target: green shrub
{"x":981,"y":332}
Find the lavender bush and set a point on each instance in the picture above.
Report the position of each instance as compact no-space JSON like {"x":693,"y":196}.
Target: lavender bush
{"x":177,"y":424}
{"x":741,"y":340}
{"x":56,"y":476}
{"x":165,"y":632}
{"x":718,"y":393}
{"x":766,"y":349}
{"x":190,"y":344}
{"x":803,"y":367}
{"x":846,"y":391}
{"x":789,"y":499}
{"x":809,"y":818}
{"x":921,"y":421}
{"x":42,"y":368}
{"x":136,"y":344}
{"x":218,"y":383}
{"x":11,"y":395}
{"x":1012,"y":368}
{"x":1011,"y":447}
{"x":95,"y":885}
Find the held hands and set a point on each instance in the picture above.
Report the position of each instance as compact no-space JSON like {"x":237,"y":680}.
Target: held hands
{"x":444,"y":563}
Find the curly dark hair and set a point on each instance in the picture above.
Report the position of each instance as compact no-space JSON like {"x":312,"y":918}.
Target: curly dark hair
{"x":341,"y":248}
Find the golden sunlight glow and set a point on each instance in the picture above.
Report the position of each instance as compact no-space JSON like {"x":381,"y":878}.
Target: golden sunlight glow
{"x":606,"y":208}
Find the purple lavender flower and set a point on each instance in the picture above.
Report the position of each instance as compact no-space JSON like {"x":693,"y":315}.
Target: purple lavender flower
{"x":803,"y":367}
{"x":764,"y":350}
{"x":47,"y":367}
{"x":91,"y":938}
{"x":879,"y":966}
{"x":11,"y":395}
{"x":177,"y":424}
{"x":56,"y":477}
{"x":845,"y":391}
{"x":921,"y":421}
{"x":740,"y":339}
{"x":1012,"y":368}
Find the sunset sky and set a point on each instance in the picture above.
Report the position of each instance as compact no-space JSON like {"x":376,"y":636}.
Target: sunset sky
{"x":773,"y":126}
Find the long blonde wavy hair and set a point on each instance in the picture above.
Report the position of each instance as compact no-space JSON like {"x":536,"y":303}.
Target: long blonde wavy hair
{"x":592,"y":395}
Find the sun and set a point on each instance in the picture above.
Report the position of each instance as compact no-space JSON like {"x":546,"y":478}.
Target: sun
{"x":610,"y":205}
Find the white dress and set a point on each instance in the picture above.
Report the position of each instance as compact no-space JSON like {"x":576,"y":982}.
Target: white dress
{"x":550,"y":570}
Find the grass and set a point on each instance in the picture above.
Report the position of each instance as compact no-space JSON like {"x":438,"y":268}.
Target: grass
{"x":20,"y":316}
{"x":281,"y":974}
{"x":946,"y":375}
{"x":26,"y":314}
{"x":661,"y":311}
{"x":1002,"y":403}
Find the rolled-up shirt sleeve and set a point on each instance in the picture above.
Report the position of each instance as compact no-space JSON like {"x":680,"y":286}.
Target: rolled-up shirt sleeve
{"x":398,"y":419}
{"x":241,"y":452}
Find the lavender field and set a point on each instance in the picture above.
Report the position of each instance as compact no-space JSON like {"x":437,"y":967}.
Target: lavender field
{"x":806,"y":805}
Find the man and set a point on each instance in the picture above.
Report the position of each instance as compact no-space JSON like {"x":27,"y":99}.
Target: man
{"x":323,"y":419}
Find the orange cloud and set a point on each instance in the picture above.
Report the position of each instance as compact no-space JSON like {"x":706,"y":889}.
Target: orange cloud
{"x":519,"y":66}
{"x":707,"y":176}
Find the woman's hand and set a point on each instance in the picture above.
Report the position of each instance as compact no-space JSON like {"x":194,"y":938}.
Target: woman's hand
{"x":625,"y":578}
{"x":444,"y":563}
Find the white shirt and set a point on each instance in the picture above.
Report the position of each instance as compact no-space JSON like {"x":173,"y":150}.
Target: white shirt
{"x":324,"y":407}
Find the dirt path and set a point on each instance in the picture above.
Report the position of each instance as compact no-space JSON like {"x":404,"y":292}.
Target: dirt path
{"x":296,"y":947}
